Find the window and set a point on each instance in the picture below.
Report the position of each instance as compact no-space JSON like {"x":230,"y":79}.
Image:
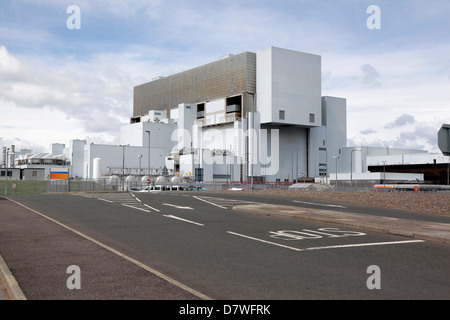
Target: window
{"x":3,"y":173}
{"x":312,"y":118}
{"x":34,"y":174}
{"x":282,"y":115}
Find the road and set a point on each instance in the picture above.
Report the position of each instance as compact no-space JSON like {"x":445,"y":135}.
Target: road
{"x":206,"y":249}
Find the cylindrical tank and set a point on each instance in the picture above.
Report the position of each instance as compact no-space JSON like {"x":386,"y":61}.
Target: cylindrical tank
{"x":160,"y":180}
{"x":144,"y":179}
{"x":175,"y":180}
{"x":97,"y":173}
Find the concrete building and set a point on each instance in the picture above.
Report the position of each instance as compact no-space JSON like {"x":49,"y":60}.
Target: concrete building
{"x":246,"y":117}
{"x":262,"y":111}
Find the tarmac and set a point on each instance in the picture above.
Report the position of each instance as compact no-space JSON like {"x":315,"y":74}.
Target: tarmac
{"x":423,"y":230}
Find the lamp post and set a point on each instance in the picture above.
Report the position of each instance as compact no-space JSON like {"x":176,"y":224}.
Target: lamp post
{"x":253,"y":141}
{"x":149,"y":169}
{"x":123,"y":165}
{"x":384,"y":175}
{"x":336,"y":157}
{"x":351,"y":167}
{"x":6,"y":164}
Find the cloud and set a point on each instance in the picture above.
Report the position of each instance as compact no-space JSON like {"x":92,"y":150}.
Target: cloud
{"x":97,"y":96}
{"x":368,"y":131}
{"x":401,"y":121}
{"x":370,"y":75}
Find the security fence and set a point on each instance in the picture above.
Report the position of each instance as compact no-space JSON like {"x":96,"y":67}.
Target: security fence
{"x":25,"y":187}
{"x":28,"y":187}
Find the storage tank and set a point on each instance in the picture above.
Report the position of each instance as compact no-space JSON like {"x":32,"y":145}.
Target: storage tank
{"x":175,"y":180}
{"x":97,"y":173}
{"x":144,"y":179}
{"x":160,"y":180}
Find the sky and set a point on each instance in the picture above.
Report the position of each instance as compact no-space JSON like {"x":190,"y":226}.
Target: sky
{"x":68,"y":75}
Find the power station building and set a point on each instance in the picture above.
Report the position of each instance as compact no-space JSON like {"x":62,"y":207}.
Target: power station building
{"x":246,"y":117}
{"x":250,"y":117}
{"x":257,"y":116}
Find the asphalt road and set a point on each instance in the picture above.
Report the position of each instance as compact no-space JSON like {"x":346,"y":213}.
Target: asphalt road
{"x":193,"y":245}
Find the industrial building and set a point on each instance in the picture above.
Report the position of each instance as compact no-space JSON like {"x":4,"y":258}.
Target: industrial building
{"x":250,"y":117}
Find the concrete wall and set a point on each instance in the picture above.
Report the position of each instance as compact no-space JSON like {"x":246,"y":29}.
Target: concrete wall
{"x":326,"y":141}
{"x":360,"y":158}
{"x":288,"y":81}
{"x":113,"y":156}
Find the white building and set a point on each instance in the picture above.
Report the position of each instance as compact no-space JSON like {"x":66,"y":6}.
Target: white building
{"x":254,"y":116}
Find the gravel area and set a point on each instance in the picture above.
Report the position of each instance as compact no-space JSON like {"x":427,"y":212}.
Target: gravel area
{"x":431,"y":203}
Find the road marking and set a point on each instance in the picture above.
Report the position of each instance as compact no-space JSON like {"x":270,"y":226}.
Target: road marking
{"x":364,"y":245}
{"x":326,"y":247}
{"x":210,"y":203}
{"x":264,"y":241}
{"x":151,"y":207}
{"x":178,"y":207}
{"x":127,"y":205}
{"x":105,"y":200}
{"x":120,"y":254}
{"x":189,"y":221}
{"x":320,"y":204}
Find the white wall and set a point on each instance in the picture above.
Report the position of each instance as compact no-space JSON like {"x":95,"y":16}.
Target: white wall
{"x":113,"y":157}
{"x":360,"y":158}
{"x":290,"y":81}
{"x":187,"y":116}
{"x":326,"y":141}
{"x":76,"y":156}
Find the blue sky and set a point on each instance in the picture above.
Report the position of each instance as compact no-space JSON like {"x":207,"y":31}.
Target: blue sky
{"x":58,"y":84}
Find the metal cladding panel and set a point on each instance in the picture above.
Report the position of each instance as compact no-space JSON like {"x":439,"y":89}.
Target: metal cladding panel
{"x":223,"y":78}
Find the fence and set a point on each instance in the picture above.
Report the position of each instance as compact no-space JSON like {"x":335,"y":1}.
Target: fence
{"x":25,"y":187}
{"x":28,"y":187}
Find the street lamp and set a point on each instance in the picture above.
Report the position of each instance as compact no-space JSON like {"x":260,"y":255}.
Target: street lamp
{"x":336,"y":157}
{"x":123,"y":165}
{"x":384,"y":175}
{"x":8,"y":155}
{"x":149,"y":169}
{"x":351,"y":167}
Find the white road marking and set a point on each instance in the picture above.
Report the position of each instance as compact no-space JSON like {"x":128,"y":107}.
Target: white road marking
{"x":105,"y":200}
{"x":189,"y":221}
{"x":127,"y":205}
{"x":327,"y":247}
{"x":151,"y":207}
{"x":176,"y":206}
{"x":210,"y":203}
{"x":320,"y":204}
{"x":122,"y":255}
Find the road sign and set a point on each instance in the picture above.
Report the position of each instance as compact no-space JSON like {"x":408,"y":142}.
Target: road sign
{"x":148,"y":181}
{"x":444,"y":139}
